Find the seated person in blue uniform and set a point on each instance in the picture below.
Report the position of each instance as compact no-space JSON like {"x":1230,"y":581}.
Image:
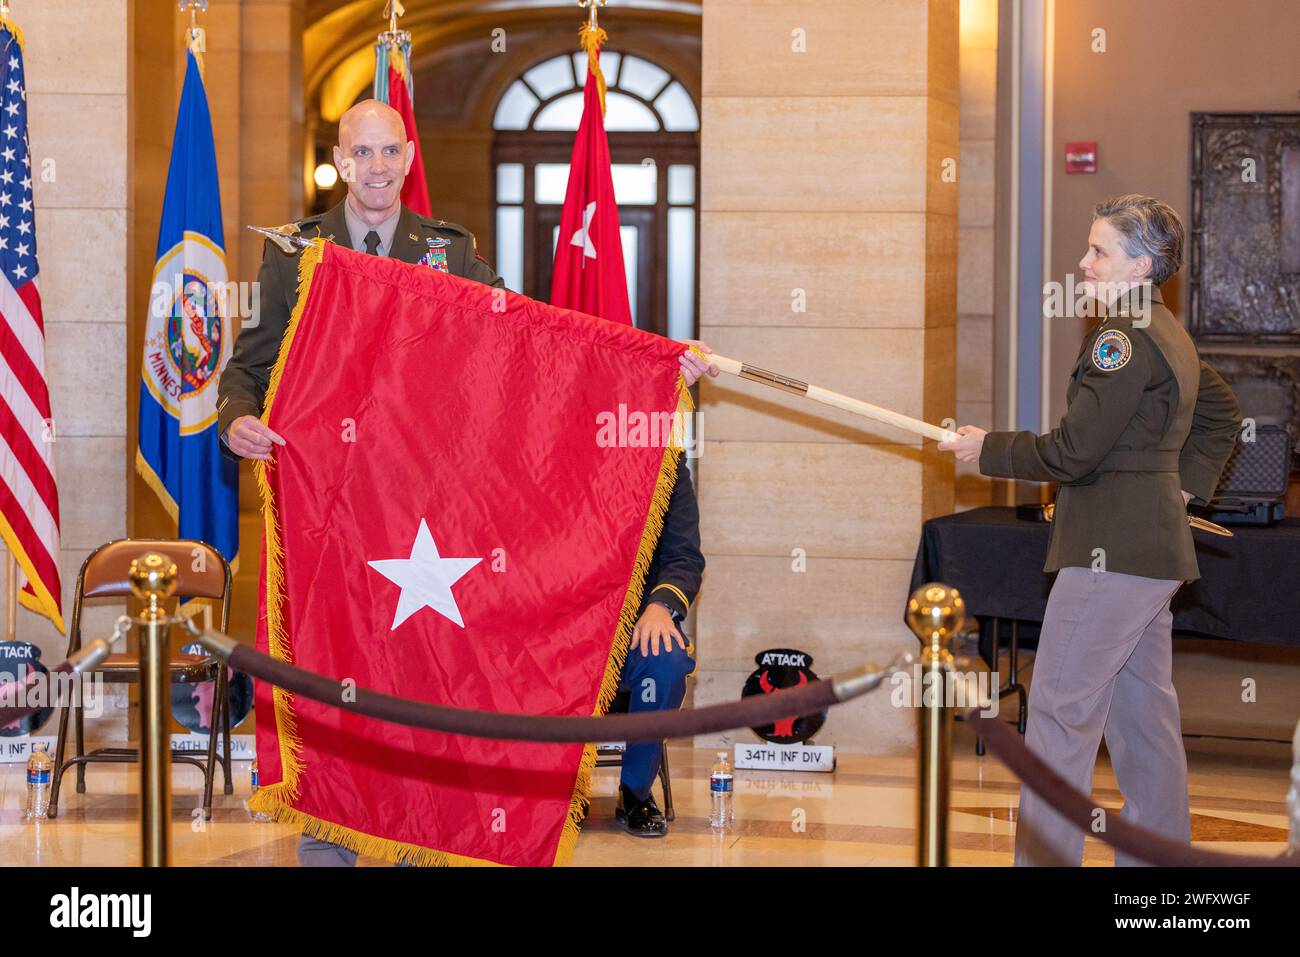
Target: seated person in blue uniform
{"x":660,"y":655}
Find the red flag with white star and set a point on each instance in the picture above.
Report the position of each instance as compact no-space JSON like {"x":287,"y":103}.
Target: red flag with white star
{"x":589,"y":275}
{"x":462,"y":513}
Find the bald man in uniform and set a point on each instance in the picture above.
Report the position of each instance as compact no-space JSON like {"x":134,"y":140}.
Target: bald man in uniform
{"x":375,"y":157}
{"x":1148,"y":427}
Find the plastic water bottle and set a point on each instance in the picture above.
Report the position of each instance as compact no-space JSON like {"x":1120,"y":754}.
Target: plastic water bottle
{"x":259,"y":816}
{"x":39,"y":768}
{"x":721,"y":812}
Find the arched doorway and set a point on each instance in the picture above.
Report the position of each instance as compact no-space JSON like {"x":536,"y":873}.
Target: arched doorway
{"x":653,"y":127}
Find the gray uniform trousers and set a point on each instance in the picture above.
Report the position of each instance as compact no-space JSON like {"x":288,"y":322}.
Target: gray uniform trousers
{"x":313,"y":852}
{"x":1105,"y":666}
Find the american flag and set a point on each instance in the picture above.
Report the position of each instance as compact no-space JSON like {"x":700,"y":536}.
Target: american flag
{"x":29,"y":498}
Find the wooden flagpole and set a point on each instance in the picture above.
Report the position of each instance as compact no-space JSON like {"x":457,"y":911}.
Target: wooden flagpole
{"x":825,"y":396}
{"x":11,"y":596}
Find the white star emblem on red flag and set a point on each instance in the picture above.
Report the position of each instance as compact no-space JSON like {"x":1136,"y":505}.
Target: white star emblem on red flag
{"x":582,"y":236}
{"x":425,"y":579}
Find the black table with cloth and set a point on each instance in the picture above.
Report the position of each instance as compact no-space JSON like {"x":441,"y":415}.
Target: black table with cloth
{"x":995,"y":558}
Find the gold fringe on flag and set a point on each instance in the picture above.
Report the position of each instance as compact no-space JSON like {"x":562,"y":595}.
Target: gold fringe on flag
{"x":396,"y":60}
{"x":277,"y":799}
{"x":42,"y":602}
{"x":592,"y":39}
{"x":14,"y":30}
{"x":654,"y":526}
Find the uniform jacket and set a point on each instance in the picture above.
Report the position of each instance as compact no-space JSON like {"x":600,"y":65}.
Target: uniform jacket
{"x":1145,"y":420}
{"x":678,"y":564}
{"x":243,"y":383}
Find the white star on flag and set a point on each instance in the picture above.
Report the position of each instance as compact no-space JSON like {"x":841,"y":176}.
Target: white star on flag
{"x":425,"y":579}
{"x":582,"y":237}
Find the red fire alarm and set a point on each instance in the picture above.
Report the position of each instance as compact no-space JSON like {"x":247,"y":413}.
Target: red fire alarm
{"x":1081,"y":157}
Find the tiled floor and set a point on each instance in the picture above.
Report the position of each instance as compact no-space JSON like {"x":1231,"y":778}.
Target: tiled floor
{"x":860,"y":814}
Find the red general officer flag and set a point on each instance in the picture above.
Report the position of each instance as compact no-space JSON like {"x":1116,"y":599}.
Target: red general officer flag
{"x":463,"y":513}
{"x":589,"y":274}
{"x":415,"y":189}
{"x":393,"y":86}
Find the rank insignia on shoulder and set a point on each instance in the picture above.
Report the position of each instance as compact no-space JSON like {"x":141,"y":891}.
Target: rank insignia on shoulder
{"x":1111,"y":351}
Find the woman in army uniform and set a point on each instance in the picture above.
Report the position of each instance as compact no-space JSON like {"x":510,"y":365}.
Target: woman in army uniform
{"x":1148,"y":427}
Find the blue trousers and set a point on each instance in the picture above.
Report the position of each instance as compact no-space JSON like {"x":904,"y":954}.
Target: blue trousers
{"x":653,"y":683}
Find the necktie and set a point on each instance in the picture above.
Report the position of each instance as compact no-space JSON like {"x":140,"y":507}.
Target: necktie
{"x":372,"y":243}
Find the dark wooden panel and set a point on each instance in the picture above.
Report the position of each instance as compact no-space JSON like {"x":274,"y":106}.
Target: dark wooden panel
{"x":1244,"y":247}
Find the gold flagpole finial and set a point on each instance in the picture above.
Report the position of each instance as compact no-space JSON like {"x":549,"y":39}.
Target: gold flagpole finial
{"x":194,"y":6}
{"x":285,"y":237}
{"x":590,"y":6}
{"x":195,"y":36}
{"x":393,"y":36}
{"x":392,"y":10}
{"x":4,"y":9}
{"x":591,"y":37}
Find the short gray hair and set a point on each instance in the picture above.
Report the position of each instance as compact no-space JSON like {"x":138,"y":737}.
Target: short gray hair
{"x":1147,"y":227}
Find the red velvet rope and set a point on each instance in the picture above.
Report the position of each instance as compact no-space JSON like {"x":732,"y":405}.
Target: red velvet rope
{"x":749,"y":712}
{"x":1079,"y":809}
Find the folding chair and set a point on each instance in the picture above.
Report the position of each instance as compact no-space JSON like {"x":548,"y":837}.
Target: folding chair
{"x":202,"y":572}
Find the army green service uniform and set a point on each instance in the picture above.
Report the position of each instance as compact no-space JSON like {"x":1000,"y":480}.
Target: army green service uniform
{"x":242,"y":388}
{"x":1145,"y":420}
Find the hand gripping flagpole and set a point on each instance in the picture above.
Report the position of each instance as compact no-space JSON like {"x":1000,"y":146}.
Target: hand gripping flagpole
{"x":287,"y":239}
{"x":825,"y":396}
{"x":924,"y":429}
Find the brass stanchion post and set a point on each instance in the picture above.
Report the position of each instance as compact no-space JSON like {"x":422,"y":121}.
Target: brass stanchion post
{"x":934,"y":613}
{"x":153,"y":578}
{"x":1293,"y":795}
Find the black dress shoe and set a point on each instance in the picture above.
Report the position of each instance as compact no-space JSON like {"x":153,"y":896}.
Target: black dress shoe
{"x":640,"y":818}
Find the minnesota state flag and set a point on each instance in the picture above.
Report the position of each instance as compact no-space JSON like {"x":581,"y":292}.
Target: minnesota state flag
{"x":188,"y":339}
